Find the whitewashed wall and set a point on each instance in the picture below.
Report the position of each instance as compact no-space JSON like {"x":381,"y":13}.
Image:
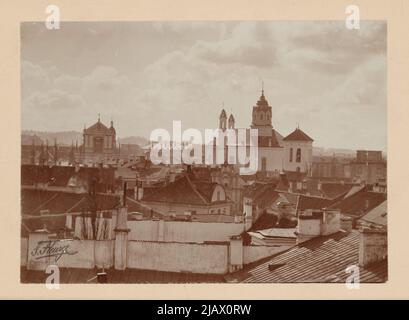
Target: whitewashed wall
{"x":180,"y":231}
{"x":178,"y":257}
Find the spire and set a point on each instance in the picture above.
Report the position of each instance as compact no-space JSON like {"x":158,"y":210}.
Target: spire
{"x":262,"y":88}
{"x":99,"y":117}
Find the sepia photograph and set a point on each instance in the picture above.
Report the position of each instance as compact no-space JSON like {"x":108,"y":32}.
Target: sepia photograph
{"x":184,"y":152}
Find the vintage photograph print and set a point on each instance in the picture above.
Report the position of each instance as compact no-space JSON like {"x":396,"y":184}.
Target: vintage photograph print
{"x":203,"y":152}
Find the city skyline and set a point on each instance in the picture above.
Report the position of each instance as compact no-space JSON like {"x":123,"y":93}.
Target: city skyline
{"x":146,"y":74}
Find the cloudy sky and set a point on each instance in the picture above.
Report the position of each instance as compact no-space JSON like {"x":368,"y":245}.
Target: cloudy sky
{"x":330,"y":80}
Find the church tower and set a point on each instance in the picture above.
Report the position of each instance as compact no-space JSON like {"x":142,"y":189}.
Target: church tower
{"x":261,"y":116}
{"x":231,"y":122}
{"x":222,"y":120}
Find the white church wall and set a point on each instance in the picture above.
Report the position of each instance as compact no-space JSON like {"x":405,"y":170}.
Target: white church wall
{"x":306,"y":155}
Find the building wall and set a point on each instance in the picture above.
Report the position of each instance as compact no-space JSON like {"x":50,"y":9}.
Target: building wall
{"x":306,"y":155}
{"x":82,"y":253}
{"x":273,"y":156}
{"x":180,"y":231}
{"x":369,"y":172}
{"x":178,"y":257}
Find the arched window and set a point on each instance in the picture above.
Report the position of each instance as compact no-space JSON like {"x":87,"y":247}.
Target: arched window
{"x":298,"y":156}
{"x":261,"y":117}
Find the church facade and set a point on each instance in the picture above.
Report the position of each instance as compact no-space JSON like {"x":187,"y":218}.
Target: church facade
{"x":99,"y":143}
{"x":275,"y":152}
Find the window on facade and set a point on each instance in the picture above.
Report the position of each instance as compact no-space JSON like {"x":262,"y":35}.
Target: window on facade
{"x":298,"y":169}
{"x":291,"y":154}
{"x":218,"y":195}
{"x":298,"y":156}
{"x":261,"y":117}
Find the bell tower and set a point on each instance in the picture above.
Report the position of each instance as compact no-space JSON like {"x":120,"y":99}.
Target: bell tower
{"x":222,"y":120}
{"x":261,"y":116}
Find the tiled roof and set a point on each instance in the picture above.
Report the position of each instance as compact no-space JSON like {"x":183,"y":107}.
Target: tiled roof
{"x":334,"y":190}
{"x":59,"y":176}
{"x":51,"y":223}
{"x":297,"y":135}
{"x":265,"y":221}
{"x":77,"y":275}
{"x":359,"y":203}
{"x":183,"y":190}
{"x":262,"y":194}
{"x":33,"y":201}
{"x":291,"y":198}
{"x":307,"y":202}
{"x":147,"y":212}
{"x":321,"y":259}
{"x":377,"y":215}
{"x":270,"y":141}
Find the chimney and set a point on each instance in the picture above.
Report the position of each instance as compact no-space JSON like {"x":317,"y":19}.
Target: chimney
{"x":135,"y":192}
{"x":314,"y":223}
{"x":139,"y":190}
{"x":346,"y":223}
{"x":373,"y":246}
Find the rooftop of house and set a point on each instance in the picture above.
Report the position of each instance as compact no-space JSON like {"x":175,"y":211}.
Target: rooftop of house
{"x":59,"y":176}
{"x":359,"y":203}
{"x":334,"y":190}
{"x":261,"y":194}
{"x":35,"y":202}
{"x":309,"y":202}
{"x":321,"y":259}
{"x":298,"y":135}
{"x":377,"y":215}
{"x":99,"y":128}
{"x":184,"y":190}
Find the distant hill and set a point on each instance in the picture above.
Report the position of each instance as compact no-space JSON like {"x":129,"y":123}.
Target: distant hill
{"x":141,"y":141}
{"x":68,"y":137}
{"x":320,"y":152}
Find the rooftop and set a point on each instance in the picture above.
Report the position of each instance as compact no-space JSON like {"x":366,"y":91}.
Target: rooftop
{"x":298,"y":135}
{"x":321,"y":259}
{"x":377,"y":215}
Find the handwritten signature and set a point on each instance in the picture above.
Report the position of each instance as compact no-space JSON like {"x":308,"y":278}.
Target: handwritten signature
{"x":51,"y":248}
